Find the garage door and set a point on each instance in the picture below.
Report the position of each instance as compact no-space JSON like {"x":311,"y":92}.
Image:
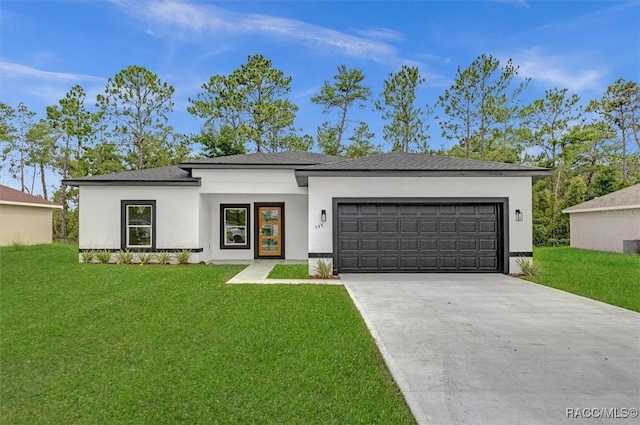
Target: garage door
{"x":422,"y":237}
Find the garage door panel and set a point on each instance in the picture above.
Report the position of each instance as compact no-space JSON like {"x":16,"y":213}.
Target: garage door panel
{"x":467,"y":209}
{"x":488,"y":227}
{"x":389,"y":245}
{"x":348,"y":226}
{"x":468,"y":227}
{"x":370,"y":244}
{"x":428,"y":244}
{"x":448,"y":227}
{"x":418,"y":237}
{"x":390,"y":262}
{"x":369,"y":209}
{"x":388,"y":226}
{"x":408,"y":263}
{"x":369,"y":262}
{"x":409,"y":226}
{"x":408,"y":245}
{"x":369,"y":226}
{"x":448,"y":245}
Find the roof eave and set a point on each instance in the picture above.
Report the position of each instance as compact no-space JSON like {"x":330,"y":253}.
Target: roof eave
{"x":302,"y":175}
{"x":31,"y":204}
{"x":81,"y":182}
{"x":600,"y":209}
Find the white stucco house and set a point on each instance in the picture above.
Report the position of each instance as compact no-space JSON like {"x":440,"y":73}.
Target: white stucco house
{"x":393,"y":212}
{"x":607,"y":222}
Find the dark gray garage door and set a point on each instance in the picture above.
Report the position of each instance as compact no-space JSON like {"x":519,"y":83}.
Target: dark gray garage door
{"x":407,"y":237}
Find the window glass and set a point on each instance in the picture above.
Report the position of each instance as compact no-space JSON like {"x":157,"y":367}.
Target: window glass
{"x":139,"y":225}
{"x":234,"y":226}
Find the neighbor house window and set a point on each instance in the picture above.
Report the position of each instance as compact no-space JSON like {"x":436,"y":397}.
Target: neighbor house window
{"x":138,"y":225}
{"x":234,"y":226}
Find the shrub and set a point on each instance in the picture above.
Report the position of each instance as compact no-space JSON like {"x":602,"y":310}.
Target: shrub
{"x":527,"y":266}
{"x":144,"y":257}
{"x":323,"y":269}
{"x":88,"y":256}
{"x":125,"y":257}
{"x":183,"y":256}
{"x":103,"y":256}
{"x":163,"y":257}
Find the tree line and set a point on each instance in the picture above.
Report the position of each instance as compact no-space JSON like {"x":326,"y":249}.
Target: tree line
{"x":593,"y":150}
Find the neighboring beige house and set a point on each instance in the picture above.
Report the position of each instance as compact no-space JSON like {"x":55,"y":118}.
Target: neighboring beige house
{"x":605,"y":222}
{"x":24,"y":218}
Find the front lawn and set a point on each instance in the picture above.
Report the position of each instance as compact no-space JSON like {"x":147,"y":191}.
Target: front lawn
{"x":604,"y":276}
{"x":289,"y":271}
{"x":112,"y":344}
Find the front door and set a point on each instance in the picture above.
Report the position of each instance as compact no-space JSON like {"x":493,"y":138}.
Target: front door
{"x":269,"y":230}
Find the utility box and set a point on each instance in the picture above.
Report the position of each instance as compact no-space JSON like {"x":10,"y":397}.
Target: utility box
{"x":631,"y":247}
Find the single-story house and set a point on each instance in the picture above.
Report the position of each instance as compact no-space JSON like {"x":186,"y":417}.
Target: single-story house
{"x":393,"y":212}
{"x":25,"y":219}
{"x":605,"y":223}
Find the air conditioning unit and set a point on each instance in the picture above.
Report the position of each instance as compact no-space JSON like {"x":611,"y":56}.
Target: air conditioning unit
{"x":631,"y":246}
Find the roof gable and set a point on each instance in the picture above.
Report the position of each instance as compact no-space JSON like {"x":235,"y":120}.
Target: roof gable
{"x":621,"y":199}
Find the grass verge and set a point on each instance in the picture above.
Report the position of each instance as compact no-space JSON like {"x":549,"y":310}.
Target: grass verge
{"x":289,"y":271}
{"x":107,"y":344}
{"x":604,"y":276}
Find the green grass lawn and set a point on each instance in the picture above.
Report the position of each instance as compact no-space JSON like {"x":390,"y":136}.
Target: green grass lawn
{"x":114,"y":344}
{"x":604,"y":276}
{"x":289,"y":271}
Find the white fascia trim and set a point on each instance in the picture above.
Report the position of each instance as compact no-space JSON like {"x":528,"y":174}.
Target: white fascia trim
{"x":27,"y":204}
{"x":618,"y":207}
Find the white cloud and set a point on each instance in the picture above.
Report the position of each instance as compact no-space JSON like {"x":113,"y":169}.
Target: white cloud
{"x":382,"y":34}
{"x":11,"y":69}
{"x":567,"y":71}
{"x":182,"y":19}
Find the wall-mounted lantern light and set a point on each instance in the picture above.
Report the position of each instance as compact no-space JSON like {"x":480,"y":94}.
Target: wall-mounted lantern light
{"x":519,"y":216}
{"x":323,"y":215}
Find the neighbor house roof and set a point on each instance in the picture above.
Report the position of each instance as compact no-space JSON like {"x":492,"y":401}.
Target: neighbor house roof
{"x":399,"y":164}
{"x":307,"y":164}
{"x":163,"y":176}
{"x":628,"y":198}
{"x":9,"y":196}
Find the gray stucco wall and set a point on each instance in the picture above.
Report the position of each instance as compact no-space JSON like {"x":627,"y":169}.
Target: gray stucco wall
{"x":604,"y":230}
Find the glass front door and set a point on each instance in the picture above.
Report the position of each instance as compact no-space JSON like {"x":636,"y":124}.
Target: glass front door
{"x":269,"y":233}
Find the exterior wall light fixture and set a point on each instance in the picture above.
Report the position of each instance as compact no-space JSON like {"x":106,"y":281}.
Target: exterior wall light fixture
{"x":519,"y":216}
{"x":323,"y":215}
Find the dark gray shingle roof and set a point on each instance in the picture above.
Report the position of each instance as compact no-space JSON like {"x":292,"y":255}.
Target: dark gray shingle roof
{"x":170,"y":176}
{"x":628,"y":197}
{"x":404,"y":161}
{"x":314,"y":164}
{"x":287,"y":160}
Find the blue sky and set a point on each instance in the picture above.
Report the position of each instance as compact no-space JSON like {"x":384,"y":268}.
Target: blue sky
{"x":49,"y":46}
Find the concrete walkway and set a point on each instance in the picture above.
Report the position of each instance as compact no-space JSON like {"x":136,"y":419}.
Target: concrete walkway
{"x":258,"y":271}
{"x":491,"y":349}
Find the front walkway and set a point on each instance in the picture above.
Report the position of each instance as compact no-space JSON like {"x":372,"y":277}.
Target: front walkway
{"x":258,"y":271}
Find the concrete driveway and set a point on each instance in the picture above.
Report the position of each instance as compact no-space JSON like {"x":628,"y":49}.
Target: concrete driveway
{"x":491,"y":349}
